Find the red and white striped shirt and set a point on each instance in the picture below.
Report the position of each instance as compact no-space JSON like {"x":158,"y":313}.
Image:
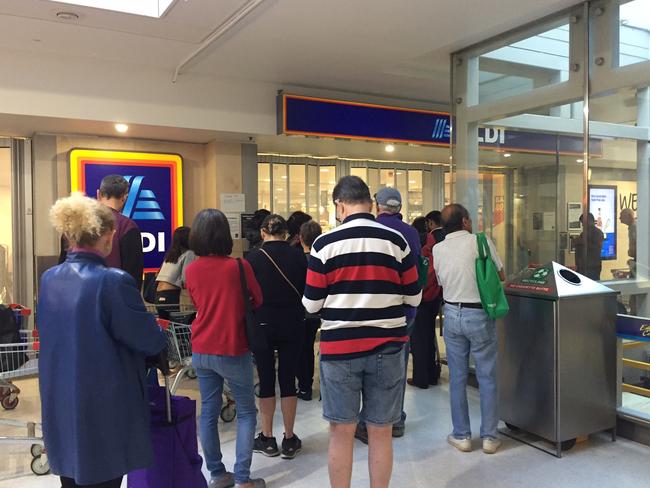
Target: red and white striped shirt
{"x":360,"y":276}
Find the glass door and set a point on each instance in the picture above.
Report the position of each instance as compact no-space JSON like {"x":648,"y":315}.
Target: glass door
{"x":6,"y":225}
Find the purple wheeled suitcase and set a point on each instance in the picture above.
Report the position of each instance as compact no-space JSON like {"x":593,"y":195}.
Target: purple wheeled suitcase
{"x":177,"y":463}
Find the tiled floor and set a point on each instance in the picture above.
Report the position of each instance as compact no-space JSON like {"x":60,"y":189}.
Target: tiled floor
{"x":422,"y":457}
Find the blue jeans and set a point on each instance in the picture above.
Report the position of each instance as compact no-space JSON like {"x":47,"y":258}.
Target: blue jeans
{"x":470,"y":330}
{"x":212,"y":370}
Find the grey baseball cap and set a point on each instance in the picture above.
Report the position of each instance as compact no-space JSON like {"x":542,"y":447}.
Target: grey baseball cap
{"x":389,"y":197}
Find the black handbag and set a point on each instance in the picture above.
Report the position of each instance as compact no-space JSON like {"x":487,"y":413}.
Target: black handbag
{"x":256,"y":335}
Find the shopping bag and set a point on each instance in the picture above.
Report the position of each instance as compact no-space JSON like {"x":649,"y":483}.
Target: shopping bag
{"x":489,"y":284}
{"x":177,"y":463}
{"x":256,"y":335}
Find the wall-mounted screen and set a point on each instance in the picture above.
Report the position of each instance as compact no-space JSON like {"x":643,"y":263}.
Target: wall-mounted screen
{"x":602,"y":205}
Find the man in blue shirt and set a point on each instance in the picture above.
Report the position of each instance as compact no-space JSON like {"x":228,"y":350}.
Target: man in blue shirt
{"x":388,"y":203}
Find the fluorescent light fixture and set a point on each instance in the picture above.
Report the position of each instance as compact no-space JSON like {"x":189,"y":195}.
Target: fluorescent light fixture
{"x":121,"y":128}
{"x":148,"y":8}
{"x":580,"y":160}
{"x":390,"y":148}
{"x":507,"y":155}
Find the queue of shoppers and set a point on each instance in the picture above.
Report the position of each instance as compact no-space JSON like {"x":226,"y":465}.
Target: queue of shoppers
{"x":373,"y":285}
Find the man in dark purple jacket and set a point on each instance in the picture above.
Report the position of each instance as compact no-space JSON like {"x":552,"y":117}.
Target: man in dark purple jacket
{"x":126,"y":253}
{"x":389,"y":204}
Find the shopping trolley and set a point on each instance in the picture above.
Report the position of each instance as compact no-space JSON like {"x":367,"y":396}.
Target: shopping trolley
{"x":179,"y":352}
{"x":20,"y":360}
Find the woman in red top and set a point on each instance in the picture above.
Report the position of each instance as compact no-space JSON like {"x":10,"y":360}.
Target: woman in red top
{"x":219,"y":345}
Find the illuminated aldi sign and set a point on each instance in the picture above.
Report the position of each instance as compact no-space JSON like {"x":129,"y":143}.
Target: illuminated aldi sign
{"x":155,"y":200}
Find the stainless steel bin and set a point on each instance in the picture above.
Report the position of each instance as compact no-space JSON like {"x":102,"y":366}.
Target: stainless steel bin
{"x":557,"y":356}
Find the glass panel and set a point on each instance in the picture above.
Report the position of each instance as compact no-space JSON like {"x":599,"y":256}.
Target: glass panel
{"x":280,"y":189}
{"x":297,"y":191}
{"x":312,"y":190}
{"x":6,"y":232}
{"x":615,"y":174}
{"x":386,"y":178}
{"x":401,"y":180}
{"x":415,"y":203}
{"x":540,"y":60}
{"x":264,"y":186}
{"x":634,"y":33}
{"x":360,"y":172}
{"x":327,"y":213}
{"x":373,"y":180}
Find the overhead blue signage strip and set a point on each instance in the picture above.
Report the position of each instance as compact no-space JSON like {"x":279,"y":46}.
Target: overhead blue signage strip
{"x":634,"y":328}
{"x":352,"y":120}
{"x":303,"y":115}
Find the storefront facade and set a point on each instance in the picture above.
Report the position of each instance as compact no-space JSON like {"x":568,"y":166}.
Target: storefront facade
{"x":581,"y":75}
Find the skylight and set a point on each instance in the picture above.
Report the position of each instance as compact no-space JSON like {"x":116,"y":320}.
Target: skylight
{"x":148,"y":8}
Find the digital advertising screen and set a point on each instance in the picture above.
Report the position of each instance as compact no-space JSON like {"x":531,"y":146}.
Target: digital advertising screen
{"x":602,"y":205}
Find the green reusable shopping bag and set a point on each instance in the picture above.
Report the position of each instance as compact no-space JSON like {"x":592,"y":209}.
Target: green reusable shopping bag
{"x":423,"y":270}
{"x":489,"y":284}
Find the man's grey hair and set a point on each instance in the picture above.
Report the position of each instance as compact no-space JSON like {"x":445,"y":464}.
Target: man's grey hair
{"x":389,"y":208}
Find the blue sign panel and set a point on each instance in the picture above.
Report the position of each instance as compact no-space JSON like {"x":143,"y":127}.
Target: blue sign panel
{"x":635,"y":328}
{"x":352,"y":120}
{"x":155,"y":199}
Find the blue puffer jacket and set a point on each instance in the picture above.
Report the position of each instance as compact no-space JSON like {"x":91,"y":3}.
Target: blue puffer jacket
{"x":95,"y":333}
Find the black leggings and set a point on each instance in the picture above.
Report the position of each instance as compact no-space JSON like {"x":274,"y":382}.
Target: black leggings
{"x":287,"y":339}
{"x":305,"y":372}
{"x":70,"y":483}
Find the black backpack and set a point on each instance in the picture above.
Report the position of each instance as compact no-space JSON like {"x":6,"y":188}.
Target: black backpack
{"x":11,"y":358}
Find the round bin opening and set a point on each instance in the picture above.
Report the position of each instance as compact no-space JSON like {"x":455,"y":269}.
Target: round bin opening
{"x":570,"y":276}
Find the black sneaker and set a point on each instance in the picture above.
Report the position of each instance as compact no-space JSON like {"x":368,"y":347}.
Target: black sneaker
{"x":361,"y":433}
{"x":266,"y":445}
{"x":304,"y":395}
{"x":291,"y":447}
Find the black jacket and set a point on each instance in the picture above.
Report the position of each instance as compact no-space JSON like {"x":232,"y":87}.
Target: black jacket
{"x":281,"y":302}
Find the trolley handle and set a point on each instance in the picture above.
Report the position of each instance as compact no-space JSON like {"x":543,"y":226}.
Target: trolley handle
{"x":24,"y":311}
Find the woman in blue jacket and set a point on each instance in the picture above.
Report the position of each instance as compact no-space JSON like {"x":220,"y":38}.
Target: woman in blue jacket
{"x":95,"y":334}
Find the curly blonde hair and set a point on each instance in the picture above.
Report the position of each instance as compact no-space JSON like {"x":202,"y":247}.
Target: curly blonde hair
{"x":81,"y":220}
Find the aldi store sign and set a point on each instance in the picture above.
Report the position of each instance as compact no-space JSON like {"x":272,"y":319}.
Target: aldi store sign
{"x":323,"y":117}
{"x":155,"y":200}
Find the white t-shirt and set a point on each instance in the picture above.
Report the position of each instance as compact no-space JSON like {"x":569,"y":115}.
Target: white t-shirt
{"x":454,"y":260}
{"x":174,"y":273}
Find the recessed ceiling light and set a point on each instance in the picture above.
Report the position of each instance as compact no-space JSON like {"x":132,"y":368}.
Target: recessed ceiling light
{"x":121,"y":128}
{"x":67,"y":16}
{"x":507,"y":155}
{"x":580,"y":160}
{"x":389,"y":148}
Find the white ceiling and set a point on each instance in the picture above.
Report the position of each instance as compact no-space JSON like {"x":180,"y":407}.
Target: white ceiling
{"x":384,"y":47}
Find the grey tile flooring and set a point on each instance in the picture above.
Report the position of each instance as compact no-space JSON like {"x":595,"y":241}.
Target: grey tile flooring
{"x":422,"y":457}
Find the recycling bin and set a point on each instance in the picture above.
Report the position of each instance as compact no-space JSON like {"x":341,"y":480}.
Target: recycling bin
{"x":557,"y":356}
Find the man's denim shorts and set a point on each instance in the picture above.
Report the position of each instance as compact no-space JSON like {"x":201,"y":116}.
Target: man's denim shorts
{"x":378,"y":379}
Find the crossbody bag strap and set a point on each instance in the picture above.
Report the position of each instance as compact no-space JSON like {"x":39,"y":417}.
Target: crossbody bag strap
{"x":244,"y":287}
{"x":280,"y":271}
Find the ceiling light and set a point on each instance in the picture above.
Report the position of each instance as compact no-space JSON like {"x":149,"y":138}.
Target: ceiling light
{"x":148,"y":8}
{"x":580,"y":160}
{"x":121,"y":128}
{"x":390,"y":148}
{"x":507,"y":155}
{"x":67,"y":16}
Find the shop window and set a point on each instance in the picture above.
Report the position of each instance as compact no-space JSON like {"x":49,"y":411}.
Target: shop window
{"x":280,"y":189}
{"x":634,"y":33}
{"x":312,"y":190}
{"x":326,"y":210}
{"x":415,"y":196}
{"x":297,"y":193}
{"x":264,"y":186}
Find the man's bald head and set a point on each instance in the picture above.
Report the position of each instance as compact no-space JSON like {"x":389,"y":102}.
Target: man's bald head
{"x":627,"y":216}
{"x":455,"y":217}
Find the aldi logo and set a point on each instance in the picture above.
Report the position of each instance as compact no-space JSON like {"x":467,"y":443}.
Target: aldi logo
{"x":155,"y":200}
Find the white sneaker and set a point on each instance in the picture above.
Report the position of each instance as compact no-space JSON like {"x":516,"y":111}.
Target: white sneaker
{"x":490,"y":446}
{"x":463,"y":445}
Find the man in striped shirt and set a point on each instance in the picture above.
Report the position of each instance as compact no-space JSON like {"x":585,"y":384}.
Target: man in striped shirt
{"x":360,"y":276}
